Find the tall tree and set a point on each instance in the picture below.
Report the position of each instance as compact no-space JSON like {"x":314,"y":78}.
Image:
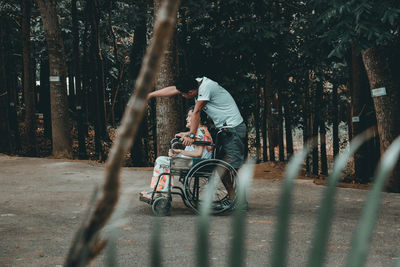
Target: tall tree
{"x":264,"y":125}
{"x":168,"y":112}
{"x":77,"y":81}
{"x":380,"y":74}
{"x":257,"y":121}
{"x":363,"y":113}
{"x":280,"y":128}
{"x":288,"y":130}
{"x":322,"y":140}
{"x":61,"y":137}
{"x":307,"y":126}
{"x":44,"y":92}
{"x":5,"y":143}
{"x":335,"y":120}
{"x":139,"y":151}
{"x":268,"y":106}
{"x":29,"y":80}
{"x":316,"y":100}
{"x":101,"y":135}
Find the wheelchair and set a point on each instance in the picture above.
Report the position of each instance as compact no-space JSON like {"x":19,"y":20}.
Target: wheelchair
{"x":194,"y":174}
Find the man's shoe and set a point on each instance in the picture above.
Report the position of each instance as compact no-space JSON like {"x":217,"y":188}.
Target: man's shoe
{"x":225,"y":205}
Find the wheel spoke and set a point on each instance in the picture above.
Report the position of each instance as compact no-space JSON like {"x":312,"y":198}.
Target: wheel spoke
{"x":198,"y":177}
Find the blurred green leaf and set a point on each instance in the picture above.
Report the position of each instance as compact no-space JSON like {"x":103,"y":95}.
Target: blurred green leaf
{"x":362,"y":237}
{"x":237,"y":253}
{"x":326,"y":210}
{"x":279,"y":249}
{"x":202,"y":255}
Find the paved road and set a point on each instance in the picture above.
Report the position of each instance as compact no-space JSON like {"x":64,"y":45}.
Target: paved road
{"x":42,"y":202}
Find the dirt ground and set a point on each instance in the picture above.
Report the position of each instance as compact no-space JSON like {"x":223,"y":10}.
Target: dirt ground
{"x":276,"y":170}
{"x":42,"y":202}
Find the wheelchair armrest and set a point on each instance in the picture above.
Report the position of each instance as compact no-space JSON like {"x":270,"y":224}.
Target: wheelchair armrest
{"x":203,"y":143}
{"x":176,"y":141}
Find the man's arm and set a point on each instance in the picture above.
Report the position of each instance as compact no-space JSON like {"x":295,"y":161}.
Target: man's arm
{"x":195,"y":121}
{"x":167,"y":91}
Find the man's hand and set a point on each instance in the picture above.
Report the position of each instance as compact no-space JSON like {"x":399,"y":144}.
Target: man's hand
{"x":187,"y":141}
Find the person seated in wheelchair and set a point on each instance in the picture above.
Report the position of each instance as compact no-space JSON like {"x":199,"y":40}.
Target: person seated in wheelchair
{"x":162,"y":163}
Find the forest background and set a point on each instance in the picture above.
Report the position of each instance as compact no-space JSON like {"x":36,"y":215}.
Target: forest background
{"x":67,"y":69}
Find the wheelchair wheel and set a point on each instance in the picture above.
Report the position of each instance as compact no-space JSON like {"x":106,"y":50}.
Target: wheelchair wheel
{"x":198,"y":177}
{"x":161,"y":206}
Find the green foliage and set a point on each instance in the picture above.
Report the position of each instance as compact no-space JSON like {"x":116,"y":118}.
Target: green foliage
{"x":10,"y":21}
{"x":365,"y":23}
{"x":227,"y":41}
{"x":232,"y":42}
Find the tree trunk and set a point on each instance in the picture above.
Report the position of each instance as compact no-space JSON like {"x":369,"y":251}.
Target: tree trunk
{"x":280,"y":129}
{"x":169,"y":115}
{"x":62,"y":145}
{"x":335,"y":121}
{"x":76,"y":74}
{"x":356,"y":107}
{"x":12,"y":111}
{"x":101,"y":135}
{"x":257,"y":123}
{"x":322,"y":140}
{"x":268,"y":106}
{"x":264,"y":125}
{"x":306,"y":123}
{"x":315,"y":90}
{"x":5,"y":141}
{"x":120,"y":65}
{"x":29,"y":80}
{"x":288,"y":132}
{"x":5,"y":131}
{"x":315,"y":158}
{"x":349,"y":122}
{"x":87,"y":74}
{"x":139,"y":151}
{"x":387,"y":107}
{"x":45,"y":95}
{"x":361,"y":107}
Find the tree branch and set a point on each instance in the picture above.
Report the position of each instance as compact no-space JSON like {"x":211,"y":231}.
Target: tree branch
{"x":86,"y":238}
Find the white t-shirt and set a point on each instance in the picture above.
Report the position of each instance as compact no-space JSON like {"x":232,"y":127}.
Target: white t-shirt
{"x":221,"y":106}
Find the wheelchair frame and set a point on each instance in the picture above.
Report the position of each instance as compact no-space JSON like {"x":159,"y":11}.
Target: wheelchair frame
{"x":189,"y":168}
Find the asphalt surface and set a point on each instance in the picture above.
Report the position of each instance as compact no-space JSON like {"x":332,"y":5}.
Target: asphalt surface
{"x":42,"y":203}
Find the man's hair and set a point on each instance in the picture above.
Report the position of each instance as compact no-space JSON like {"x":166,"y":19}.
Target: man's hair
{"x":185,"y":83}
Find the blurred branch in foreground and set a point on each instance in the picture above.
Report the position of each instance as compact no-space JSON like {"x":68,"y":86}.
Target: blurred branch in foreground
{"x":86,"y":244}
